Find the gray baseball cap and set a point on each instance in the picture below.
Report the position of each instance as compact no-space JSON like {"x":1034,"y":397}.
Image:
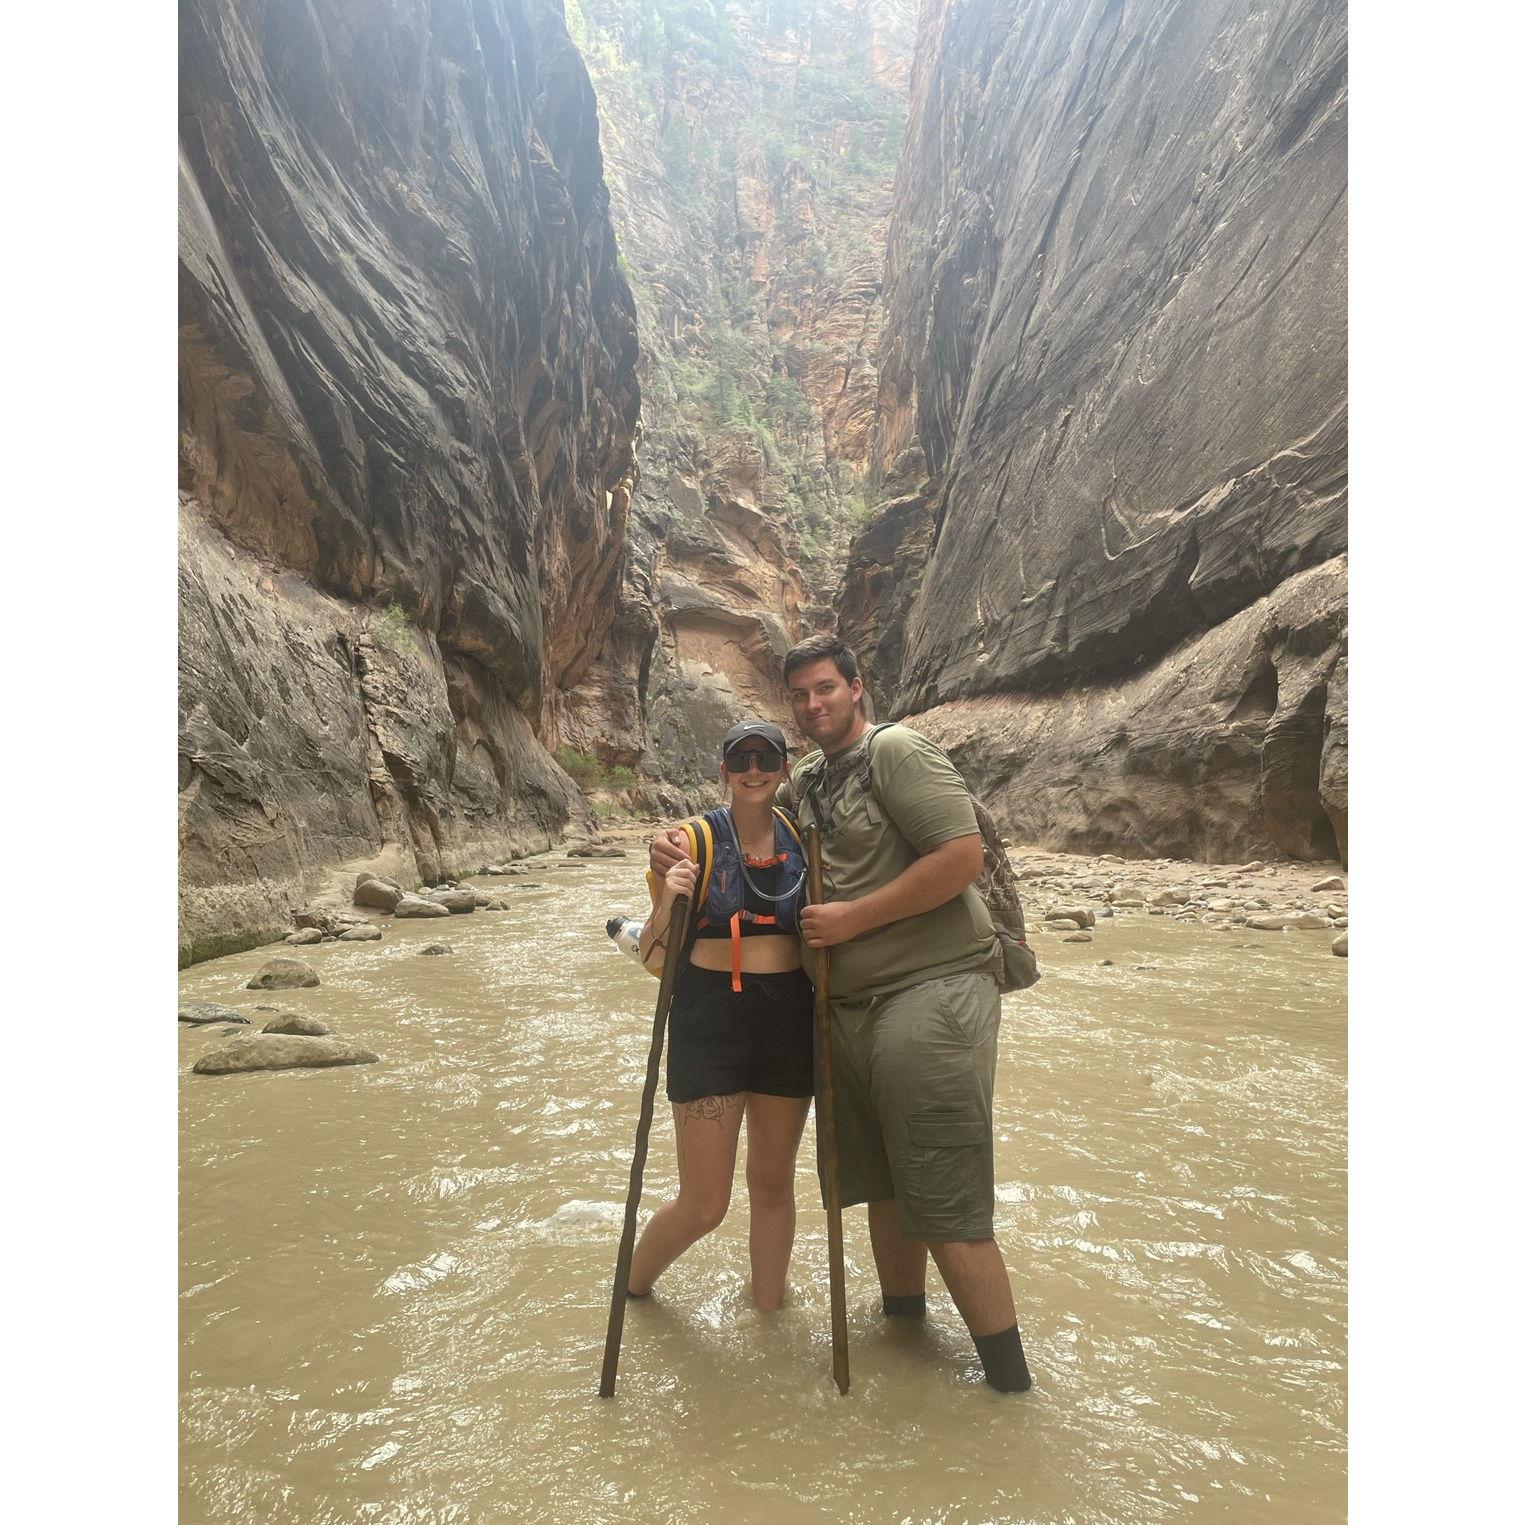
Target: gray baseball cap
{"x":755,"y":730}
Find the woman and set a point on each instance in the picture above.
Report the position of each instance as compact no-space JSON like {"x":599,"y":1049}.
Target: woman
{"x":740,"y":1019}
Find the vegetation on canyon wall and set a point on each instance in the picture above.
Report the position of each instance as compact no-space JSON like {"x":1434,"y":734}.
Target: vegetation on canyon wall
{"x":751,"y":151}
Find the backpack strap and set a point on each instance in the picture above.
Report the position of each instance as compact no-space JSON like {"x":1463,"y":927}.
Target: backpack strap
{"x":701,"y":848}
{"x":790,"y":825}
{"x":866,"y":773}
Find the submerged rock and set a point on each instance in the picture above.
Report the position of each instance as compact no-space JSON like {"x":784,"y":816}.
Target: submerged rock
{"x":596,"y":852}
{"x":437,"y":949}
{"x":271,"y":1051}
{"x":199,"y":1012}
{"x":295,"y":1022}
{"x":1078,"y":937}
{"x":283,"y":974}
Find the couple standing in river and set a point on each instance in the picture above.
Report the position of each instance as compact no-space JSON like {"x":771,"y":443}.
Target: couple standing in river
{"x":915,"y":1007}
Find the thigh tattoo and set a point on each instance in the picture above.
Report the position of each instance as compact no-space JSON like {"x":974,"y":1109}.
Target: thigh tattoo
{"x":712,"y":1109}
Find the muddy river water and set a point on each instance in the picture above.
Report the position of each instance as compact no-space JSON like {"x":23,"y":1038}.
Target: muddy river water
{"x":395,"y":1278}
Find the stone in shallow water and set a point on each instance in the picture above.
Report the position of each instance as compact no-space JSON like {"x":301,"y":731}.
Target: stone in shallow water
{"x":305,"y":937}
{"x":283,"y":974}
{"x":368,"y":934}
{"x":272,"y":1051}
{"x":295,"y":1022}
{"x":197,"y":1012}
{"x":437,"y":948}
{"x":417,"y":906}
{"x":1078,"y":937}
{"x":459,"y":902}
{"x":1333,"y":882}
{"x":1341,"y":946}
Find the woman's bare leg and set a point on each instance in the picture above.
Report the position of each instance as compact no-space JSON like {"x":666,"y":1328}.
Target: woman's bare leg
{"x":774,"y":1126}
{"x":706,"y":1131}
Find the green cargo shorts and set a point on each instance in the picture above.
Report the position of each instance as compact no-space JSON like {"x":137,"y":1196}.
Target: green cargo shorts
{"x":915,"y":1074}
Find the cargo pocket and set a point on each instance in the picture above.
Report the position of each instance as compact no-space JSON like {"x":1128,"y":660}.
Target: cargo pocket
{"x":941,"y":1189}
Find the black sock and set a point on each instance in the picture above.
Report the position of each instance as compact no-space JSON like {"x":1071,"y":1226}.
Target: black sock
{"x":905,"y":1305}
{"x":1005,"y":1365}
{"x":629,"y":1293}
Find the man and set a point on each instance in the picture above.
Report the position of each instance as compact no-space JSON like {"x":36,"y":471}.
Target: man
{"x":914,"y":1003}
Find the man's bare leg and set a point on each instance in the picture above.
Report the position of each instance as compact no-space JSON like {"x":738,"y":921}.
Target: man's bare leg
{"x":976,"y":1278}
{"x":900,"y":1262}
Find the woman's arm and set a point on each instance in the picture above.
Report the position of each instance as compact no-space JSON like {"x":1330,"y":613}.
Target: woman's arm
{"x":680,"y":880}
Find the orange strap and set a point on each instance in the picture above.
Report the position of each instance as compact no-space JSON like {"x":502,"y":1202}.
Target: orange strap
{"x":761,"y":921}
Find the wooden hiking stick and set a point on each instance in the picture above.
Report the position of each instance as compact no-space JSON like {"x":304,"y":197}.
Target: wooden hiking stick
{"x":677,"y":938}
{"x":826,"y":1116}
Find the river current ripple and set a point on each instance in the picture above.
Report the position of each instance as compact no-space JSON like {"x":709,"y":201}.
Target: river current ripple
{"x":395,"y":1278}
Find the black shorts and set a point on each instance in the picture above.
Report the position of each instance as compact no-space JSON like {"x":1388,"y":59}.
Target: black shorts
{"x":723,"y":1042}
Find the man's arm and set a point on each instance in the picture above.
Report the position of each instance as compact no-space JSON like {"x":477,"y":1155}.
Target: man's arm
{"x":932,"y":880}
{"x":667,"y":848}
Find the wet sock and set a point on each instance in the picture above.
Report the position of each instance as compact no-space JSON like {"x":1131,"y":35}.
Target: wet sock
{"x":906,"y":1305}
{"x":629,"y":1293}
{"x":1005,"y":1365}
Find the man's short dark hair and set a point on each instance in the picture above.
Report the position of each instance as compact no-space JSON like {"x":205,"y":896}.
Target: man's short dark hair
{"x":822,"y":648}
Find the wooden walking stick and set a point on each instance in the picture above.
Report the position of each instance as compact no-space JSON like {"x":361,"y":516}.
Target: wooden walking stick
{"x":826,"y":1116}
{"x":677,"y":940}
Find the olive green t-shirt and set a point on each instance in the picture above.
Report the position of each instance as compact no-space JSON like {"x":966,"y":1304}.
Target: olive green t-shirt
{"x":921,"y":802}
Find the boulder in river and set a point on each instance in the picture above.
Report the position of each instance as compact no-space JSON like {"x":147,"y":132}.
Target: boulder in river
{"x":199,"y":1012}
{"x":458,"y":902}
{"x":417,"y":906}
{"x":367,"y":934}
{"x":1078,"y":914}
{"x":380,"y":894}
{"x":281,"y":1051}
{"x":1341,"y":946}
{"x":437,"y":949}
{"x":283,"y":974}
{"x":1268,"y":923}
{"x":1060,"y":924}
{"x":295,"y":1022}
{"x":595,"y":852}
{"x":1309,"y":921}
{"x":304,"y":937}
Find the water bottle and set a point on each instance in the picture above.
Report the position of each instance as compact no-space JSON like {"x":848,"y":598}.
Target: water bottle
{"x":626,"y":932}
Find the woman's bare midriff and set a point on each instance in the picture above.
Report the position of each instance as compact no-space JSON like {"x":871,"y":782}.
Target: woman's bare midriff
{"x":759,"y":955}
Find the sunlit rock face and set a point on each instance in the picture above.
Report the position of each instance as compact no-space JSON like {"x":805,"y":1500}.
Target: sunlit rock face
{"x":408,"y":396}
{"x":750,"y":149}
{"x":1113,"y":371}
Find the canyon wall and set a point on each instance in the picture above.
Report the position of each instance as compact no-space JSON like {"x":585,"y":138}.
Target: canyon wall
{"x":408,"y":406}
{"x":750,"y":150}
{"x":1111,"y":421}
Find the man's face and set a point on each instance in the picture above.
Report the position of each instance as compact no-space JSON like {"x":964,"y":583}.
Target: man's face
{"x":825,"y":704}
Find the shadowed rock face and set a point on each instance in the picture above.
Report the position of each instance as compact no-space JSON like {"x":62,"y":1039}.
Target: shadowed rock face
{"x":407,"y":376}
{"x":1116,"y":331}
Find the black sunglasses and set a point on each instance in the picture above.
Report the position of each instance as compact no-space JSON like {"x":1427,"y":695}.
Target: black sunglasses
{"x":767,"y":762}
